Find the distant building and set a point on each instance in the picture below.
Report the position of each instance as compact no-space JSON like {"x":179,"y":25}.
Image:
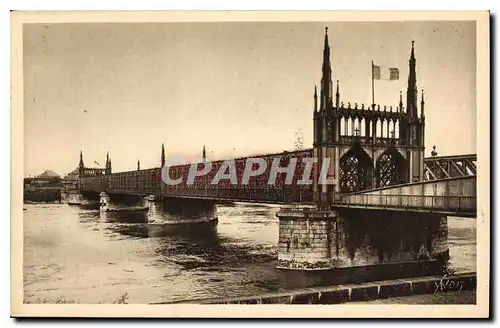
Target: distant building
{"x":48,"y":176}
{"x":45,"y":187}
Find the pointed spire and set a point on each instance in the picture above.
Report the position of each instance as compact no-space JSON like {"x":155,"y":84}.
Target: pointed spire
{"x":401,"y":101}
{"x":326,"y":79}
{"x":80,"y":164}
{"x":107,"y":161}
{"x":326,"y":37}
{"x":315,"y":98}
{"x":162,"y":155}
{"x":411,"y":94}
{"x":337,"y":95}
{"x":422,"y":103}
{"x":204,"y":154}
{"x":108,"y":167}
{"x":138,"y":165}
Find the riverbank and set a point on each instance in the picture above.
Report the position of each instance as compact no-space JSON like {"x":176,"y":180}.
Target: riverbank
{"x":457,"y":297}
{"x":417,"y":289}
{"x":42,"y":195}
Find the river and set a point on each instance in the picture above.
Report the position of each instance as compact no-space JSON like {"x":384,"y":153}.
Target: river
{"x":83,"y":256}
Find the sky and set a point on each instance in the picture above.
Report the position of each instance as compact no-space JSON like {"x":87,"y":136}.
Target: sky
{"x":238,"y":88}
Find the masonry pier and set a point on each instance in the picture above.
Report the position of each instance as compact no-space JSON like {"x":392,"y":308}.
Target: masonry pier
{"x":164,"y":210}
{"x":81,"y":198}
{"x":72,"y":197}
{"x":110,"y":202}
{"x":346,"y":238}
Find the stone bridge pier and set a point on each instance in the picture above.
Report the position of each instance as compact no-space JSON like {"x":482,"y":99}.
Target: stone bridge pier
{"x":347,"y":238}
{"x":72,"y":197}
{"x":75,"y":197}
{"x":120,"y":202}
{"x":164,"y":210}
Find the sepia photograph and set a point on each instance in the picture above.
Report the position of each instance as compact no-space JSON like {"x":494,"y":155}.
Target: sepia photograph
{"x":172,"y":161}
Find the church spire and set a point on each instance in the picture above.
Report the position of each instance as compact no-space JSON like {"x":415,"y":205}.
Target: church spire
{"x":138,"y":165}
{"x":204,"y":153}
{"x":162,"y":155}
{"x":326,"y":80}
{"x":411,"y":94}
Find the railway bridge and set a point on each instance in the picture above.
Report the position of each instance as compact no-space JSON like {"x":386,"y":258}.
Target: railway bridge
{"x":363,"y":195}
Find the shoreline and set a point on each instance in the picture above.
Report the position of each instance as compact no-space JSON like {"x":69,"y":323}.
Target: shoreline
{"x":364,"y":292}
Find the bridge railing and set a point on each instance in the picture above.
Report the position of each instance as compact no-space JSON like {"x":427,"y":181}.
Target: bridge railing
{"x":274,"y":195}
{"x":452,"y":204}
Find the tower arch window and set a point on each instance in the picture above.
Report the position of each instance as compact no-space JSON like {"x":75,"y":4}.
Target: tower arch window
{"x":356,"y":170}
{"x":390,"y":168}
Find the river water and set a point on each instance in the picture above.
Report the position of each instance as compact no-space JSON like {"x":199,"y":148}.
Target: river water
{"x":77,"y":255}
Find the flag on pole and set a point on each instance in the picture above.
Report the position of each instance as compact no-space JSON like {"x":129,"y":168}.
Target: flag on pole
{"x":97,"y":163}
{"x":381,"y":73}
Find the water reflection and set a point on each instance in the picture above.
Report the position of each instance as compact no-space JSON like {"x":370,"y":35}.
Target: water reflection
{"x":195,"y":245}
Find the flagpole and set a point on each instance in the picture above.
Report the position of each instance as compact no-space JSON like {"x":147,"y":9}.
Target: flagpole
{"x":373,"y":89}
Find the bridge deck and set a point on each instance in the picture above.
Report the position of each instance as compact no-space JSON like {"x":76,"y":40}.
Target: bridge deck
{"x":452,"y":196}
{"x":450,"y":187}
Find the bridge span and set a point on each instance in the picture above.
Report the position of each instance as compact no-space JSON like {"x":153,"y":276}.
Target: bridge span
{"x":451,"y":196}
{"x":414,"y":198}
{"x":388,"y":203}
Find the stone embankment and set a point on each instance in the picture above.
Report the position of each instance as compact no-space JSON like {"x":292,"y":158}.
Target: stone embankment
{"x":357,"y":292}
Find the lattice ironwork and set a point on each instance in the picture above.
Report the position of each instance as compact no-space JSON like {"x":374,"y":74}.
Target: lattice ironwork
{"x":356,"y":171}
{"x":390,"y":168}
{"x":443,"y":167}
{"x":149,"y":182}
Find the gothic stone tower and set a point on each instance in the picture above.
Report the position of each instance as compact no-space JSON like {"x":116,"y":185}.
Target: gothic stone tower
{"x":326,"y":132}
{"x":361,"y":147}
{"x":414,"y":126}
{"x":365,"y":147}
